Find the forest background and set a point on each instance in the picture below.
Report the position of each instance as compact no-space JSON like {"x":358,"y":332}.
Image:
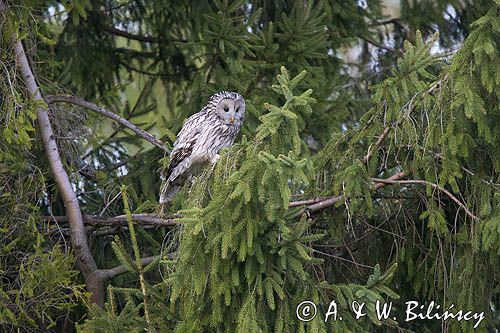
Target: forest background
{"x":368,"y":166}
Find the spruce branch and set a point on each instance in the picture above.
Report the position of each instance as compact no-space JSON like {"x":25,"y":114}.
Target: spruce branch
{"x":137,"y":37}
{"x":321,"y":203}
{"x":315,"y":205}
{"x":98,"y":221}
{"x":98,"y":109}
{"x":119,"y":270}
{"x":386,"y":130}
{"x":305,"y":202}
{"x":137,"y":255}
{"x":373,"y":148}
{"x":330,"y":201}
{"x":425,"y":182}
{"x":96,"y":232}
{"x":128,"y":35}
{"x":381,"y":46}
{"x":115,"y":230}
{"x":111,"y":300}
{"x":131,"y":68}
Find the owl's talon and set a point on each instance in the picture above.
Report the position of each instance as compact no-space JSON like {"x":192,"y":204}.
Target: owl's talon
{"x":214,"y":162}
{"x":215,"y":159}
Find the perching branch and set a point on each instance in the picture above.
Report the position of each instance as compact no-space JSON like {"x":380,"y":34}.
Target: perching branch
{"x":96,"y":108}
{"x":425,"y":182}
{"x":98,"y":221}
{"x":84,"y":259}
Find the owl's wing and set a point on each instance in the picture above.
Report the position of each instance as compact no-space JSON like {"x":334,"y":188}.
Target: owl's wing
{"x":179,"y":155}
{"x":183,"y":147}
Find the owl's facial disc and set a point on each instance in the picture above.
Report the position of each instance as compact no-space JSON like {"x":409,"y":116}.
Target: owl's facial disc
{"x":231,"y":111}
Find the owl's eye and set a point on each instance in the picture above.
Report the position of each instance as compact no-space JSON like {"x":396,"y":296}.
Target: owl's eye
{"x":237,"y":109}
{"x":226,"y":109}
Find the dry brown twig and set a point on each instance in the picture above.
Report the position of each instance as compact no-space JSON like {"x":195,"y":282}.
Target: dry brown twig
{"x":99,"y":221}
{"x":425,"y":182}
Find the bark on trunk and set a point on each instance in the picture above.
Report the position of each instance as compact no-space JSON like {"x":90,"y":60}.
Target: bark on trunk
{"x":84,"y":260}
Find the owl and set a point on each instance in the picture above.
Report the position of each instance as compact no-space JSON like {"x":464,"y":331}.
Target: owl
{"x":201,"y":138}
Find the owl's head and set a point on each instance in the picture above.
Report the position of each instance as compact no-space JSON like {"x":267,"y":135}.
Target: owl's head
{"x":229,"y":107}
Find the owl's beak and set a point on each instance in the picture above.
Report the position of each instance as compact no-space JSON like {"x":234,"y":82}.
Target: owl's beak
{"x":231,"y":120}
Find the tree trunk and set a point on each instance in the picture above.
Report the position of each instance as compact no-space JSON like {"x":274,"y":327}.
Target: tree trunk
{"x":84,"y":260}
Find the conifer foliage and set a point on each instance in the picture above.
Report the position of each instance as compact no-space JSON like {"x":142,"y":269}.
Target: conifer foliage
{"x":355,"y":178}
{"x":244,"y":259}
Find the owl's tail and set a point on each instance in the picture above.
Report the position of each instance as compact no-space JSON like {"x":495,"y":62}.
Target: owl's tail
{"x":168,"y":192}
